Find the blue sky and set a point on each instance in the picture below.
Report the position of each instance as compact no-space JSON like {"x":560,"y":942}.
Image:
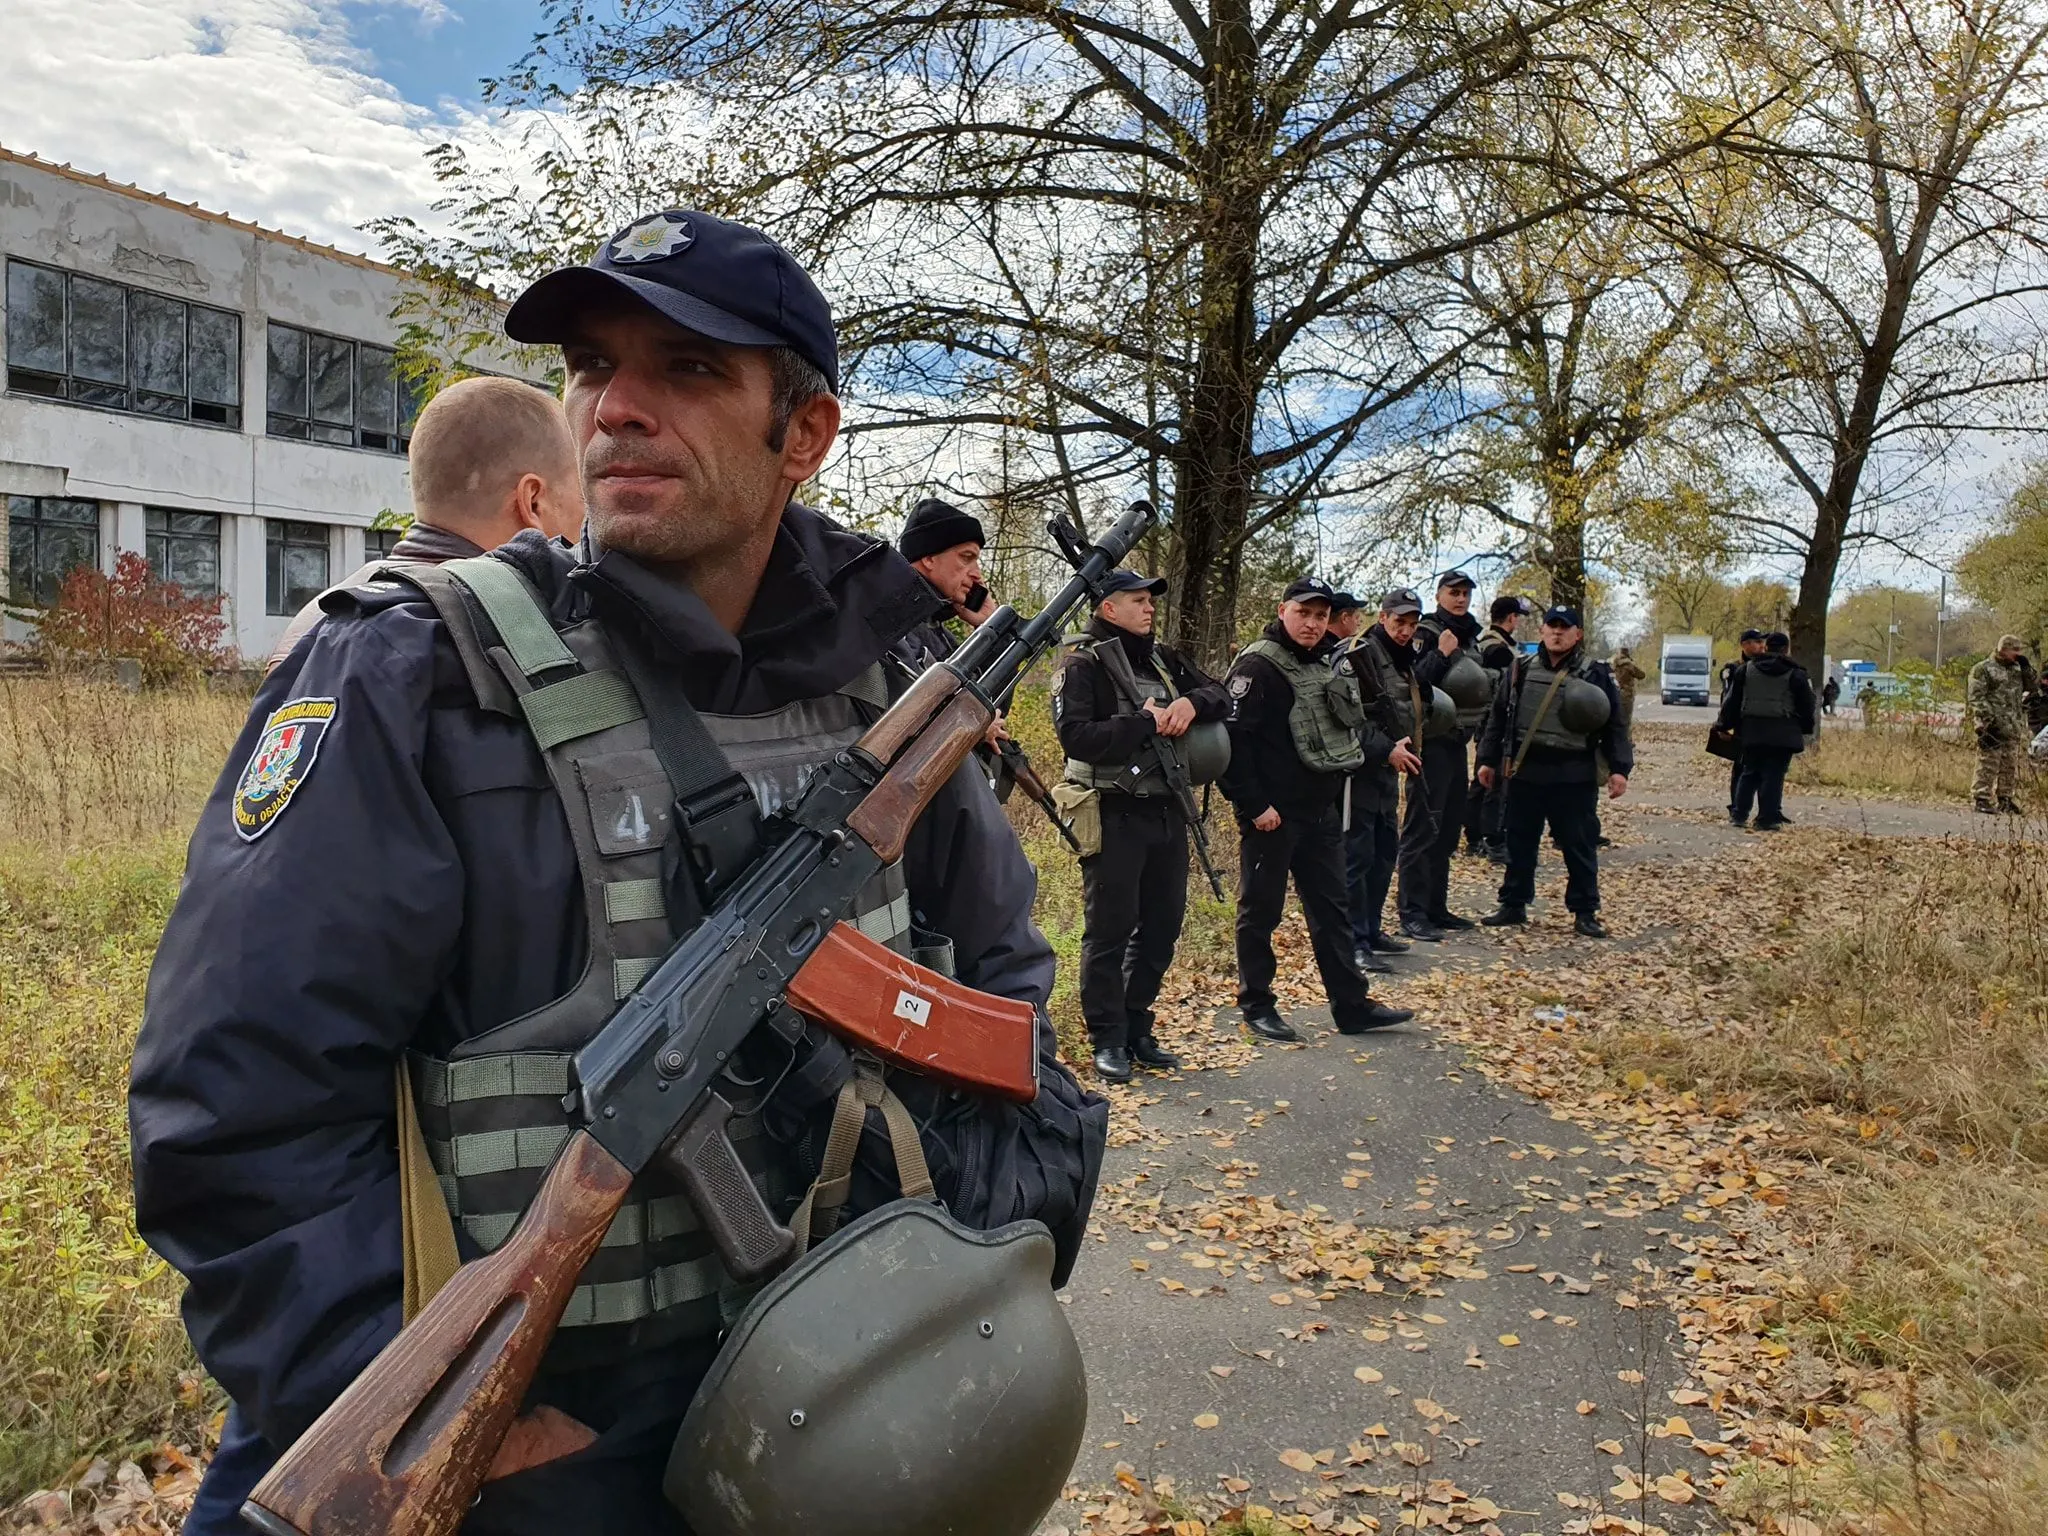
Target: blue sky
{"x":311,"y":116}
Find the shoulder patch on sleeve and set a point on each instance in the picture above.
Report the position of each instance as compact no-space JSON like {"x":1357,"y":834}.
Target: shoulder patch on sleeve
{"x":283,"y":757}
{"x":1240,"y":684}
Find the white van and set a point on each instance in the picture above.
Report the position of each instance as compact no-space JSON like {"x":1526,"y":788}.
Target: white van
{"x":1687,"y":665}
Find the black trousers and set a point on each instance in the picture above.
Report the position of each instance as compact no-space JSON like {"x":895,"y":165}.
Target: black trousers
{"x":1135,"y":896}
{"x":1572,"y":813}
{"x":1371,"y":847}
{"x":1483,"y":809}
{"x":1312,"y":850}
{"x":1734,"y":783}
{"x":1430,"y":826}
{"x":1761,"y":783}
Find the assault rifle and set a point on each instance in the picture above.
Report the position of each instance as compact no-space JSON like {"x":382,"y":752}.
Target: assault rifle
{"x":1034,"y":788}
{"x":1183,"y":788}
{"x":405,"y":1448}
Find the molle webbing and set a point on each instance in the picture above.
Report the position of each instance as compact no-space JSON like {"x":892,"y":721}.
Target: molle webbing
{"x":493,"y":1116}
{"x":1141,"y":776}
{"x":1326,"y":713}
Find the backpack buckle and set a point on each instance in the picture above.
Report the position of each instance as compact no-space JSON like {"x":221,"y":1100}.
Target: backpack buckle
{"x":721,"y":832}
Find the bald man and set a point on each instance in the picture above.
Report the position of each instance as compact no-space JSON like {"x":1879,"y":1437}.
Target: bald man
{"x":490,"y":458}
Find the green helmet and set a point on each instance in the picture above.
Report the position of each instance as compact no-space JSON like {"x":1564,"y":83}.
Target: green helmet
{"x":1470,"y":686}
{"x":1583,"y":707}
{"x":1205,"y":751}
{"x":1442,"y":718}
{"x":907,"y":1377}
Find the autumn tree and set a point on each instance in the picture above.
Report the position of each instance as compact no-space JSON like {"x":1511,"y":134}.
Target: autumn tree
{"x":2007,"y":568}
{"x":1889,"y":290}
{"x":1209,"y":235}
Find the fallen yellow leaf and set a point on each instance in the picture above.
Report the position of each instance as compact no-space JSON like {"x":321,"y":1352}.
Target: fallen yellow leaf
{"x":1368,"y":1375}
{"x":1301,"y":1461}
{"x":1206,"y":1421}
{"x":1509,"y":1340}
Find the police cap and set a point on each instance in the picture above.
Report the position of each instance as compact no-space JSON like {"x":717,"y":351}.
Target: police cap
{"x":709,"y":275}
{"x":1400,"y":600}
{"x":1345,"y":602}
{"x":1308,"y":589}
{"x":1750,"y":637}
{"x":1131,"y":581}
{"x":1563,"y":614}
{"x":1454,"y":579}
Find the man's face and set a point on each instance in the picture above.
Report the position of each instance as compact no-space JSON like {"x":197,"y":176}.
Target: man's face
{"x":2008,"y":656}
{"x":1454,"y":599}
{"x":1559,"y":638}
{"x":953,"y":572}
{"x":1400,"y":627}
{"x":1131,"y":611}
{"x":1752,"y":647}
{"x":674,"y":431}
{"x":1509,"y":623}
{"x":1305,"y":620}
{"x":1344,"y":625}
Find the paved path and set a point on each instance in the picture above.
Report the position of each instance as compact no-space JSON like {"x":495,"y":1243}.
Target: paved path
{"x":1392,"y":1130}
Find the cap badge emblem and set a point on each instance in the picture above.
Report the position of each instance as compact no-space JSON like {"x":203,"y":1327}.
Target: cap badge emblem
{"x":652,"y":239}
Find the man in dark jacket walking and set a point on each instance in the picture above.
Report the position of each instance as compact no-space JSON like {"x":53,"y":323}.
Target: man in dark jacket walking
{"x":1119,"y":696}
{"x":1294,"y":741}
{"x":1769,"y":705}
{"x":1435,"y":814}
{"x":1554,"y":720}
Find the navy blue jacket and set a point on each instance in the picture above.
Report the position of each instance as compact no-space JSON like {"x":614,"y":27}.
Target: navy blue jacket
{"x":420,"y":887}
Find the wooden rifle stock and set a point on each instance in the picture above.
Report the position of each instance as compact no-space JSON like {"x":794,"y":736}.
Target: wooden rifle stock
{"x":919,"y":768}
{"x":404,"y":1449}
{"x":917,"y":1018}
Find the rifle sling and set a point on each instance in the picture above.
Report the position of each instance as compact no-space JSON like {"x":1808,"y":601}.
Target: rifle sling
{"x":1117,"y":663}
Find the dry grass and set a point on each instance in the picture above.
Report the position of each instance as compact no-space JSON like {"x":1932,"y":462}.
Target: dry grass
{"x":98,"y":789}
{"x":1906,"y":1020}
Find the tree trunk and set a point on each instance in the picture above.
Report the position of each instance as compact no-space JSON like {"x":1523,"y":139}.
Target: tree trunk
{"x":1214,"y":466}
{"x":1566,"y":562}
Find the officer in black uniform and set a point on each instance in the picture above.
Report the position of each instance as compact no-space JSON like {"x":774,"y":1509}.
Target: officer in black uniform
{"x":1555,"y":720}
{"x":1381,"y":660}
{"x":1436,"y":800}
{"x":1751,"y":643}
{"x":1497,"y":651}
{"x":1119,"y":694}
{"x":1294,"y":741}
{"x":393,"y":870}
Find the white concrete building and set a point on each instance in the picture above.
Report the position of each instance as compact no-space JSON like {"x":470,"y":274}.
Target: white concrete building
{"x":213,"y":395}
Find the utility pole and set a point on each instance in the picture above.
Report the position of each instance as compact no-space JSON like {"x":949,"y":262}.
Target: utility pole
{"x":1891,"y":632}
{"x":1940,"y":611}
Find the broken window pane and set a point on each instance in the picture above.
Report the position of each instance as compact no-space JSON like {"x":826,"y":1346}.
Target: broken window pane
{"x":156,"y":343}
{"x":35,"y":318}
{"x":287,"y":387}
{"x":216,"y":357}
{"x":99,"y":340}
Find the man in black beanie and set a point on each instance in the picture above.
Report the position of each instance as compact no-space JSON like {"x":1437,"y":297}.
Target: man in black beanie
{"x":943,"y":545}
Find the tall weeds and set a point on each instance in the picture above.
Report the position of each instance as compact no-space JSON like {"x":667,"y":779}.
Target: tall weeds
{"x":98,"y":790}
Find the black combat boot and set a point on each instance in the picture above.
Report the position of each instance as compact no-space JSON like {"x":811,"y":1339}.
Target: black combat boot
{"x":1505,"y":917}
{"x":1450,"y":922}
{"x":1381,"y":943}
{"x":1373,"y":1016}
{"x":1113,"y":1064}
{"x":1147,"y":1052}
{"x":1423,"y":929}
{"x":1588,"y":926}
{"x":1268,"y":1025}
{"x":1371,"y":964}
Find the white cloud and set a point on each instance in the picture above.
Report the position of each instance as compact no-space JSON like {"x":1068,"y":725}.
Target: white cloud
{"x":259,"y":108}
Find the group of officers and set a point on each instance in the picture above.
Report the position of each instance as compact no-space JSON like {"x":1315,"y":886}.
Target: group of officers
{"x":1310,"y":735}
{"x":406,"y":869}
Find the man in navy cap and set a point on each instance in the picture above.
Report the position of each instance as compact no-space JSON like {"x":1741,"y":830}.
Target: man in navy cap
{"x":1750,"y":646}
{"x":1556,"y":719}
{"x":401,"y":879}
{"x":1294,"y":723}
{"x":1121,"y":695}
{"x":1435,"y":812}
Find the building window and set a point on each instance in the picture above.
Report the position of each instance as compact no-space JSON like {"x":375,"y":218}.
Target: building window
{"x":323,"y":389}
{"x":294,"y":566}
{"x":184,"y":547}
{"x":83,"y":339}
{"x":48,"y":537}
{"x":379,"y":542}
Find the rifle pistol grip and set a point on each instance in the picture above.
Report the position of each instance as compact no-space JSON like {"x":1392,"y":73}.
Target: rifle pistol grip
{"x":700,"y":1156}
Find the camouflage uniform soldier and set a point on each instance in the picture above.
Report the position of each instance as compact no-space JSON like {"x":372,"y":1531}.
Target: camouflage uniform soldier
{"x":1998,"y":710}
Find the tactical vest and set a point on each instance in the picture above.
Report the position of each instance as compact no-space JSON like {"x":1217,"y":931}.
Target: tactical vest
{"x":1326,"y":713}
{"x":1152,"y":683}
{"x":1766,"y":695}
{"x":1550,"y":731}
{"x":492,"y":1112}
